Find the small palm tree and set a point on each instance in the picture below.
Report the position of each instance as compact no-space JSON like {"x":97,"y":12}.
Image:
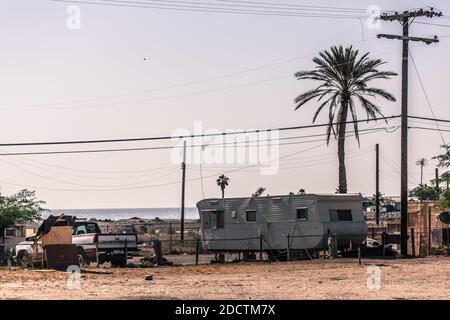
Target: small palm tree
{"x":444,"y":159}
{"x":222,"y":182}
{"x":344,"y":78}
{"x":421,"y":162}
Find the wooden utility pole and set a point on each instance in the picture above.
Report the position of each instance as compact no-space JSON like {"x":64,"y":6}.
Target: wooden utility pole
{"x":377,"y":183}
{"x":183,"y":187}
{"x":406,"y":19}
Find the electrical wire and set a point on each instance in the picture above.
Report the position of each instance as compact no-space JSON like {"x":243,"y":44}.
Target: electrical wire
{"x":20,"y":144}
{"x":162,"y":147}
{"x":90,"y":177}
{"x":430,"y":129}
{"x":208,"y":9}
{"x":146,"y":100}
{"x":179,"y":85}
{"x":170,"y":183}
{"x":88,"y":185}
{"x":429,"y":119}
{"x":433,"y":24}
{"x":426,"y":95}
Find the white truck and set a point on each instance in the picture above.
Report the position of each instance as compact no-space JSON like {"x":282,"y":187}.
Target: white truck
{"x":92,"y":245}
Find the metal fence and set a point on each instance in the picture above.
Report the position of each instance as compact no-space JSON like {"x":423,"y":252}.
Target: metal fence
{"x":192,"y":250}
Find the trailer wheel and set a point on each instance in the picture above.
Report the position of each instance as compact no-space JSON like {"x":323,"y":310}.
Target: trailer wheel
{"x":23,"y":259}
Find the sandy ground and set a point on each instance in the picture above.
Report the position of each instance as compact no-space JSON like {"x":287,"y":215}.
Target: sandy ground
{"x":427,"y":278}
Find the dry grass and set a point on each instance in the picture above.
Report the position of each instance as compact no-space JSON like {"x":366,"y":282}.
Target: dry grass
{"x":427,"y":278}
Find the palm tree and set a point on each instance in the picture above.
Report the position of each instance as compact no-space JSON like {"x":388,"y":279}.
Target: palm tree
{"x":222,"y":182}
{"x":421,"y":162}
{"x":343,"y":78}
{"x":444,"y":159}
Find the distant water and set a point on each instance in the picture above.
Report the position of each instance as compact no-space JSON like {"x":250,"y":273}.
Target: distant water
{"x":117,"y":214}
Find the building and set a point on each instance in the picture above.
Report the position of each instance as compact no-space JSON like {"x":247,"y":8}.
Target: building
{"x":254,"y":223}
{"x":424,"y":227}
{"x":18,"y":233}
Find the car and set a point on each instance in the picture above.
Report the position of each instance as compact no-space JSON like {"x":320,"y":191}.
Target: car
{"x":92,"y":245}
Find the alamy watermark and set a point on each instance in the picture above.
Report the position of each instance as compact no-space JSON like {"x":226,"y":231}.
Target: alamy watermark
{"x":373,"y":22}
{"x":73,"y":277}
{"x":229,"y":147}
{"x":374,"y":278}
{"x":73,"y":21}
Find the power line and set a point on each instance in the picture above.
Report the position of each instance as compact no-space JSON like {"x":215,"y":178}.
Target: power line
{"x":21,"y":144}
{"x":69,"y":174}
{"x":89,"y":185}
{"x":425,"y":94}
{"x":163,"y":147}
{"x":53,"y":106}
{"x":309,"y":7}
{"x":433,"y":24}
{"x":208,"y":9}
{"x":429,"y":119}
{"x":245,"y":84}
{"x":302,"y":165}
{"x":140,"y":172}
{"x":170,"y":183}
{"x":302,"y":159}
{"x":429,"y":129}
{"x":174,"y":86}
{"x":249,"y":4}
{"x":425,"y":122}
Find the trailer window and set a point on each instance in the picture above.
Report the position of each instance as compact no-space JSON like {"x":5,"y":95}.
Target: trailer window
{"x":302,"y":213}
{"x":206,"y":219}
{"x":9,"y":232}
{"x":250,"y":215}
{"x":341,"y":215}
{"x":220,"y":220}
{"x":213,"y":219}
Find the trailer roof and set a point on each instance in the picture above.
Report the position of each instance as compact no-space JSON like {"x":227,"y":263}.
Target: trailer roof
{"x":318,"y":195}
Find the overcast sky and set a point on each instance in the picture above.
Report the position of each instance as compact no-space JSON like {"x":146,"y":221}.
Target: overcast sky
{"x":161,"y":70}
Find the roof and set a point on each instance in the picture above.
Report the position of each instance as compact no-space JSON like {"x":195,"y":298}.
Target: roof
{"x":318,"y":195}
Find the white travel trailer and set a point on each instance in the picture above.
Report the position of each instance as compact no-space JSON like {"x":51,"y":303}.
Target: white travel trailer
{"x":247,"y":224}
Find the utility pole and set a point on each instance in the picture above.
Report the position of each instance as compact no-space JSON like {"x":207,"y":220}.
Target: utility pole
{"x":405,"y":20}
{"x":183,"y":187}
{"x":377,"y":183}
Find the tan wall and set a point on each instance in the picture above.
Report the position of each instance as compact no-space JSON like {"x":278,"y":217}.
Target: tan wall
{"x":418,"y":218}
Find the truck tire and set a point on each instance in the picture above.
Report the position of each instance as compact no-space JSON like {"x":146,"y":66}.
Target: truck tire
{"x":118,"y":261}
{"x":23,"y":259}
{"x":82,"y":259}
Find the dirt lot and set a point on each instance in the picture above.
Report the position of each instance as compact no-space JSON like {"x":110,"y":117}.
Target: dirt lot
{"x":427,"y":278}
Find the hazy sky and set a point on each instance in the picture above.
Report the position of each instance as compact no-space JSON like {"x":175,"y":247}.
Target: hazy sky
{"x":54,"y":81}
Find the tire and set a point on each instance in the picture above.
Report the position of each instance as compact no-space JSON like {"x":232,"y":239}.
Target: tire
{"x":82,"y":259}
{"x":23,"y":259}
{"x":118,"y":261}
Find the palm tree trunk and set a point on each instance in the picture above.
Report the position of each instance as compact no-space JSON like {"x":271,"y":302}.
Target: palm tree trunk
{"x":341,"y":149}
{"x":223,"y":193}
